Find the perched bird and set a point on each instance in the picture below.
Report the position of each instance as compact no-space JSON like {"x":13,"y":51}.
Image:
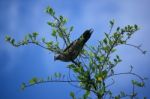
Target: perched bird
{"x":72,"y":51}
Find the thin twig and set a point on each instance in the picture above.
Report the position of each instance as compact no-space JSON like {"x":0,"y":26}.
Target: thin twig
{"x":112,"y":46}
{"x":55,"y":81}
{"x":138,"y":47}
{"x":63,"y":33}
{"x":127,"y":73}
{"x":20,"y":43}
{"x":110,"y":83}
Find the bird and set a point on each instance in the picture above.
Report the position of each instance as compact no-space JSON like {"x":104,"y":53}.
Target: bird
{"x":71,"y":52}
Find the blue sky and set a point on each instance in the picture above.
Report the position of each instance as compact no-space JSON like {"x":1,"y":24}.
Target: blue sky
{"x":19,"y":17}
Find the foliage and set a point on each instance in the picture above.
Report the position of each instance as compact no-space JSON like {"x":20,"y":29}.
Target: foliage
{"x":95,"y":63}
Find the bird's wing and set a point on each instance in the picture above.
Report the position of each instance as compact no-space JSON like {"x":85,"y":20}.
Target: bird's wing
{"x":80,"y":41}
{"x":68,"y":47}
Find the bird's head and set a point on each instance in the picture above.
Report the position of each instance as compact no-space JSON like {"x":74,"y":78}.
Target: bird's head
{"x":86,"y":35}
{"x":61,"y":57}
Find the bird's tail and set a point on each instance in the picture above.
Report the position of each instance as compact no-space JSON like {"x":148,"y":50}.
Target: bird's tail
{"x":86,"y":35}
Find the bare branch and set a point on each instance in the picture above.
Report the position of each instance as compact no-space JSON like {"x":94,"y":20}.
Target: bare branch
{"x":113,"y":82}
{"x":137,"y":47}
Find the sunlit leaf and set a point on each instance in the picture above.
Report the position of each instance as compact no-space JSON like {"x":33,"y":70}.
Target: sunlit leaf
{"x":72,"y":95}
{"x":7,"y":38}
{"x":33,"y":80}
{"x":50,"y":11}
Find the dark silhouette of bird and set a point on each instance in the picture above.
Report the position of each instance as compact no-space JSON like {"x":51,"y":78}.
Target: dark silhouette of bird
{"x":71,"y":52}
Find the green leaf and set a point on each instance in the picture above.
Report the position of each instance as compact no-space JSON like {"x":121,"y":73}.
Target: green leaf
{"x":116,"y":36}
{"x":139,"y":84}
{"x":115,"y":60}
{"x":118,"y":28}
{"x":72,"y":95}
{"x":111,"y":42}
{"x":101,"y":58}
{"x":71,"y":28}
{"x":60,"y":34}
{"x":7,"y":38}
{"x":76,"y":70}
{"x":55,"y":75}
{"x":12,"y":41}
{"x":54,"y":32}
{"x":117,"y":57}
{"x":136,"y":27}
{"x":65,"y":21}
{"x":107,"y":35}
{"x":61,"y":18}
{"x":101,"y":91}
{"x":43,"y":39}
{"x":49,"y":44}
{"x":117,"y":97}
{"x":33,"y":80}
{"x":71,"y":66}
{"x":58,"y":75}
{"x":26,"y":38}
{"x":112,"y":22}
{"x":105,"y":41}
{"x":35,"y":34}
{"x":106,"y":49}
{"x":113,"y":50}
{"x":51,"y":24}
{"x":91,"y":54}
{"x":104,"y":73}
{"x":100,"y":76}
{"x":50,"y":11}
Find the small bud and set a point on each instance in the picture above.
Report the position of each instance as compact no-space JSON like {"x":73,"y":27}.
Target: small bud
{"x":50,"y":11}
{"x":7,"y":38}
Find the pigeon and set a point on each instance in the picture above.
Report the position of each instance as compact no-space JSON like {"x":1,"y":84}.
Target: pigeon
{"x":71,"y":52}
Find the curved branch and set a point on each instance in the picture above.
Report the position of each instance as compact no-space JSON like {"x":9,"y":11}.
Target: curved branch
{"x":137,"y":47}
{"x":128,"y":73}
{"x":40,"y":45}
{"x":60,"y":81}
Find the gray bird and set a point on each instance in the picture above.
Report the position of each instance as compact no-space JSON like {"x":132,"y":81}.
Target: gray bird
{"x":72,"y":51}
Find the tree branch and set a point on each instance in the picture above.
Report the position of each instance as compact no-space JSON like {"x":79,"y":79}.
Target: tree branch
{"x":137,"y":47}
{"x":63,"y":33}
